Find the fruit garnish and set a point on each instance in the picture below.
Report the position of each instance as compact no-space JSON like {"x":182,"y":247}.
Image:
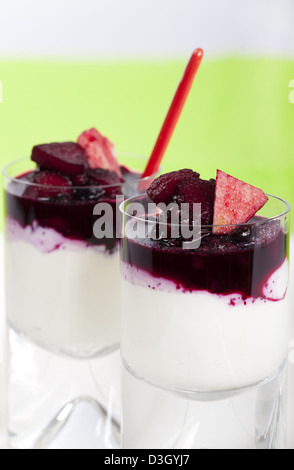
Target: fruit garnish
{"x":100,"y":151}
{"x":80,"y":180}
{"x":236,"y":202}
{"x":164,"y":187}
{"x":67,"y":157}
{"x":47,"y":184}
{"x":102,"y":177}
{"x":49,"y":178}
{"x":192,"y":190}
{"x":108,"y":181}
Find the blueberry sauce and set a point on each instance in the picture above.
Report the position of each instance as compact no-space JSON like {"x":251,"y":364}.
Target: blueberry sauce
{"x":67,"y":210}
{"x":240,"y":263}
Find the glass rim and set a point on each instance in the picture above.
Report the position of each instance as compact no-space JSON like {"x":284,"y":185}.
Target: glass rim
{"x":248,"y":223}
{"x":105,"y":186}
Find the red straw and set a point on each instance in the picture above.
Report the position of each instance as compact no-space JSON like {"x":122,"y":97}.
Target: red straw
{"x":173,"y":114}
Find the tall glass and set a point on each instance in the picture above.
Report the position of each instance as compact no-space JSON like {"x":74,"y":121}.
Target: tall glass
{"x":63,"y":310}
{"x":205,"y":332}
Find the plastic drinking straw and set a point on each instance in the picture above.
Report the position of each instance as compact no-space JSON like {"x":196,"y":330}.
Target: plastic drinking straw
{"x":173,"y":114}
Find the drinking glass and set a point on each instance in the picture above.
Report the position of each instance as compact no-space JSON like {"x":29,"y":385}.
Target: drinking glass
{"x":63,"y":310}
{"x":205,"y":332}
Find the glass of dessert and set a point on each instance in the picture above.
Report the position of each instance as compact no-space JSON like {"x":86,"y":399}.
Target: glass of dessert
{"x":63,"y":287}
{"x":205,"y":319}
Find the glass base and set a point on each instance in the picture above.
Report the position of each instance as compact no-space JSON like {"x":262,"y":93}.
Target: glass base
{"x":203,"y":395}
{"x":91,"y":352}
{"x":157,"y":418}
{"x":50,"y":395}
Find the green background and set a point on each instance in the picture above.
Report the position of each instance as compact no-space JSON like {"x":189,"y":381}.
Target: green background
{"x":238,"y":116}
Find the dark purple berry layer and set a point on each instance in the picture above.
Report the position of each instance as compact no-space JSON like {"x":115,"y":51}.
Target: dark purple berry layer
{"x":240,"y":263}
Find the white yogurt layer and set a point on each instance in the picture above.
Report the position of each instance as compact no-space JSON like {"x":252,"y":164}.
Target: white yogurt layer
{"x":200,"y":341}
{"x":61,"y":293}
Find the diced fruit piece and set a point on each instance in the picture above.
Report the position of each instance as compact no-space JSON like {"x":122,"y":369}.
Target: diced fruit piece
{"x":67,"y":157}
{"x":164,"y":187}
{"x":236,"y":202}
{"x":192,"y":190}
{"x":108,"y":180}
{"x":102,"y":177}
{"x":49,"y":178}
{"x":100,"y":151}
{"x":80,"y":180}
{"x":49,"y":184}
{"x":88,"y":136}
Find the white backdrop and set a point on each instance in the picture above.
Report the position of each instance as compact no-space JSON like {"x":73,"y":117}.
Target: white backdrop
{"x":138,"y":28}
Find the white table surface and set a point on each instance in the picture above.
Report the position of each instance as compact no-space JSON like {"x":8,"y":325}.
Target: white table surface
{"x":84,"y":415}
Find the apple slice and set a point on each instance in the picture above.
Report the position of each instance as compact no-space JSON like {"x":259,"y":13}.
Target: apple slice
{"x":235,"y":202}
{"x":100,"y":151}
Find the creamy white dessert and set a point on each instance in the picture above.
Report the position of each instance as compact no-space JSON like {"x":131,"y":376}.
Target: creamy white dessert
{"x":62,"y":293}
{"x":199,"y":341}
{"x":62,"y":264}
{"x":214,"y":317}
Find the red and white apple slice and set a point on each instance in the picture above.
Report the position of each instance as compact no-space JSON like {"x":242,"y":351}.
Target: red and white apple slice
{"x":100,"y":151}
{"x":236,"y":202}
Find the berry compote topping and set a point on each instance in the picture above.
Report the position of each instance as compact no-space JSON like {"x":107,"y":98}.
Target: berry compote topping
{"x":237,"y":259}
{"x":67,"y":158}
{"x":69,"y":181}
{"x":225,"y":202}
{"x":164,"y":188}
